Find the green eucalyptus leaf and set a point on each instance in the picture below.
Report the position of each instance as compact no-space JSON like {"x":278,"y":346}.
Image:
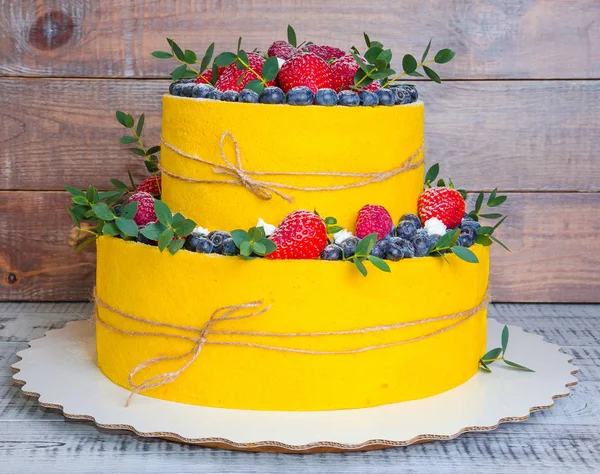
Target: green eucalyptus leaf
{"x":432,"y":173}
{"x":379,"y":263}
{"x":165,"y":239}
{"x":161,"y":54}
{"x":121,"y":117}
{"x":176,"y":49}
{"x":110,"y":229}
{"x":185,"y":227}
{"x":441,"y":183}
{"x":504,"y":339}
{"x":499,"y":223}
{"x":92,"y":195}
{"x":424,"y":57}
{"x":140,"y":125}
{"x":129,"y":210}
{"x":163,"y":213}
{"x":178,"y":72}
{"x":119,"y":184}
{"x":74,"y":218}
{"x":80,"y":200}
{"x":415,"y":74}
{"x":372,"y":54}
{"x":483,"y":366}
{"x":444,"y":56}
{"x":464,"y":254}
{"x":85,"y":243}
{"x":176,"y":245}
{"x":190,"y":57}
{"x":291,"y":35}
{"x":484,"y":240}
{"x":74,"y":191}
{"x":270,"y":69}
{"x":497,"y":201}
{"x":489,"y":357}
{"x":103,"y":212}
{"x":239,"y":236}
{"x":259,"y":248}
{"x":246,"y":248}
{"x":137,"y":151}
{"x":485,"y":230}
{"x":270,"y":246}
{"x":128,"y":140}
{"x":492,"y":215}
{"x":518,"y":366}
{"x":214,"y":74}
{"x":431,"y":74}
{"x":409,"y":63}
{"x":225,"y":59}
{"x":242,"y":61}
{"x":207,"y":57}
{"x":334,"y":229}
{"x":367,"y":40}
{"x":177,"y":218}
{"x":330,"y":220}
{"x":127,"y":226}
{"x":479,"y":202}
{"x":361,"y":267}
{"x":385,"y":55}
{"x":129,"y":121}
{"x":255,"y":234}
{"x":153,"y":231}
{"x":500,"y":243}
{"x":255,"y":85}
{"x":492,"y":195}
{"x":152,"y":150}
{"x":366,"y":244}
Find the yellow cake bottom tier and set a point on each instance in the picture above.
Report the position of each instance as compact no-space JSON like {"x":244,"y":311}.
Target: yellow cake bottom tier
{"x":152,"y":294}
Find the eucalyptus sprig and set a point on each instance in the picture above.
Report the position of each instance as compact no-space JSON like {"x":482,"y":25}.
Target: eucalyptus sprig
{"x":377,"y":65}
{"x":499,"y":354}
{"x":170,"y":230}
{"x":485,"y":233}
{"x":253,"y":242}
{"x":363,"y":253}
{"x":149,"y":154}
{"x":331,"y":225}
{"x":190,"y":65}
{"x":432,"y":174}
{"x":447,"y":243}
{"x":269,"y":71}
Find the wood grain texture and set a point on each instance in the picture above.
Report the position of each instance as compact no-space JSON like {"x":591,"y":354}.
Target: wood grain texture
{"x":554,"y":256}
{"x":513,"y":135}
{"x":108,"y":38}
{"x":549,"y":442}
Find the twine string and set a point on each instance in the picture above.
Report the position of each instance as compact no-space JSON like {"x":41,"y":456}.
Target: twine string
{"x":234,"y":312}
{"x":265,"y":189}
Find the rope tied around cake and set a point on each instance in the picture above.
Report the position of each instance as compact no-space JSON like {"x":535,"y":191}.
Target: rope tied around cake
{"x":266,"y":189}
{"x":199,"y":339}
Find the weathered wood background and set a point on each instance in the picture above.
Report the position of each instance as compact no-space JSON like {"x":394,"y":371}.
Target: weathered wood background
{"x":520,"y":110}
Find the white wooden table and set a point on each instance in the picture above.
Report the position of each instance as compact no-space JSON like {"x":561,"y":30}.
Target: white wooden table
{"x":564,"y":439}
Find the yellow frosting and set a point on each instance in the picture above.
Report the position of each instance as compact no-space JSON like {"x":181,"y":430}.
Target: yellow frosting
{"x":305,"y":296}
{"x":283,"y":138}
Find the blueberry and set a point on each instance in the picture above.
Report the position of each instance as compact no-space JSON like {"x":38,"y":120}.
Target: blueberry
{"x":380,"y":248}
{"x":201,"y":91}
{"x":272,"y":95}
{"x":406,"y":229}
{"x":412,"y":90}
{"x":229,"y":247}
{"x":369,"y":99}
{"x":300,"y":95}
{"x":248,"y":96}
{"x":326,"y":97}
{"x":117,"y":210}
{"x":230,"y":96}
{"x":349,"y":246}
{"x":215,"y":95}
{"x":191,"y":241}
{"x":176,"y":89}
{"x":217,"y":237}
{"x":421,"y":242}
{"x":468,"y":221}
{"x":402,"y":96}
{"x":412,"y":218}
{"x":332,"y":252}
{"x":203,"y":245}
{"x":141,"y":238}
{"x":348,"y":98}
{"x":398,"y":248}
{"x":433,"y":239}
{"x":467,"y":237}
{"x":386,"y":97}
{"x":187,"y":89}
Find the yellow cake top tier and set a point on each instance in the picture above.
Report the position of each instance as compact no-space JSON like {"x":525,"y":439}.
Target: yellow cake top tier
{"x":333,"y":159}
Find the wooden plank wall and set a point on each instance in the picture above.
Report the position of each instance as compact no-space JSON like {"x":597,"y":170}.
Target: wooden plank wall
{"x":520,"y":110}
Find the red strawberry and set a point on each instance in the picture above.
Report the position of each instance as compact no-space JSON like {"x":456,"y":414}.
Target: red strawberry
{"x":206,"y":76}
{"x":282,"y":49}
{"x":229,"y":80}
{"x":326,"y":52}
{"x":373,"y":219}
{"x":444,"y":203}
{"x":150,"y":185}
{"x":305,"y":69}
{"x":145,"y":213}
{"x":344,"y":69}
{"x":301,"y":235}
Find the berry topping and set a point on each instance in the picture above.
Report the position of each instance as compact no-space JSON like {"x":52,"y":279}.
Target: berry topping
{"x":230,"y":96}
{"x":281,"y":49}
{"x":272,"y":95}
{"x":234,"y":79}
{"x":187,"y":89}
{"x":300,"y":95}
{"x":217,"y":237}
{"x":444,"y":203}
{"x":145,"y":212}
{"x":406,"y":230}
{"x":326,"y":97}
{"x":201,"y":91}
{"x":325,"y":52}
{"x":373,"y":219}
{"x":468,"y":221}
{"x":398,"y":248}
{"x":402,"y":96}
{"x":467,"y":237}
{"x":344,"y":69}
{"x":229,"y":248}
{"x":421,"y":242}
{"x":301,"y":235}
{"x":305,"y":69}
{"x":215,"y":95}
{"x":191,"y":241}
{"x":150,"y":185}
{"x":434,"y":226}
{"x":369,"y":99}
{"x":380,"y":248}
{"x":348,"y":98}
{"x":386,"y":97}
{"x":332,"y":252}
{"x":413,"y":218}
{"x":203,"y":245}
{"x":248,"y":96}
{"x":349,"y":246}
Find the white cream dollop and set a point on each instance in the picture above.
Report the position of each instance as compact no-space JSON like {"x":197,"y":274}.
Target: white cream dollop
{"x":434,"y":226}
{"x":340,"y":236}
{"x":200,"y":231}
{"x":268,"y":228}
{"x":280,"y":62}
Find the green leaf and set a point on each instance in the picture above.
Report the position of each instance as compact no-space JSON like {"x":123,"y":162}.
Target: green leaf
{"x":334,"y":229}
{"x":518,"y":366}
{"x":367,"y":40}
{"x":225,"y":59}
{"x":73,"y":217}
{"x":500,"y":243}
{"x":74,"y":191}
{"x":177,"y":218}
{"x":129,"y":210}
{"x":464,"y":254}
{"x":140,"y":125}
{"x":409,"y":63}
{"x":366,"y":244}
{"x":385,"y":55}
{"x":188,"y":74}
{"x":207,"y":57}
{"x":379,"y":263}
{"x":176,"y":245}
{"x":270,"y":69}
{"x":80,"y":200}
{"x":484,"y":240}
{"x":110,"y":229}
{"x":424,"y":57}
{"x":463,"y":193}
{"x":491,"y":216}
{"x":483,"y":366}
{"x":127,"y":226}
{"x":270,"y":246}
{"x":242,"y":62}
{"x":504,"y":339}
{"x":176,"y":49}
{"x":85,"y":243}
{"x":119,"y":184}
{"x":152,"y":150}
{"x":239,"y":45}
{"x":103,"y":212}
{"x":291,"y":35}
{"x":431,"y":74}
{"x":493,"y":194}
{"x":485,"y":230}
{"x":432,"y":173}
{"x":441,"y":183}
{"x":190,"y":57}
{"x":448,"y":239}
{"x":246,"y":248}
{"x":255,"y":85}
{"x":444,"y":56}
{"x":161,"y":54}
{"x":372,"y":54}
{"x":178,"y":72}
{"x":108,"y":195}
{"x":361,"y":63}
{"x":163,"y":213}
{"x":490,"y":355}
{"x":361,"y":266}
{"x":121,"y":117}
{"x":165,"y":239}
{"x":214,"y":74}
{"x":137,"y":151}
{"x":330,"y":220}
{"x":415,"y":74}
{"x":479,"y":202}
{"x":255,"y":234}
{"x":153,"y":231}
{"x":499,"y":223}
{"x":127,"y":140}
{"x":259,"y":248}
{"x":239,"y":236}
{"x":185,"y":227}
{"x":92,"y":195}
{"x":497,"y":201}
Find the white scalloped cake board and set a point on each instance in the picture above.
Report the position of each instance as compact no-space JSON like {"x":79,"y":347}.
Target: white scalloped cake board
{"x":60,"y":368}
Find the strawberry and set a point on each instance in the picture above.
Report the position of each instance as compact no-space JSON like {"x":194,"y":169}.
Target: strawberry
{"x":234,"y":79}
{"x":301,"y":235}
{"x":326,"y":52}
{"x":145,"y":213}
{"x":206,"y":76}
{"x":305,"y":69}
{"x":150,"y":185}
{"x":373,"y":219}
{"x":344,"y":69}
{"x":282,"y":50}
{"x":444,"y":203}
